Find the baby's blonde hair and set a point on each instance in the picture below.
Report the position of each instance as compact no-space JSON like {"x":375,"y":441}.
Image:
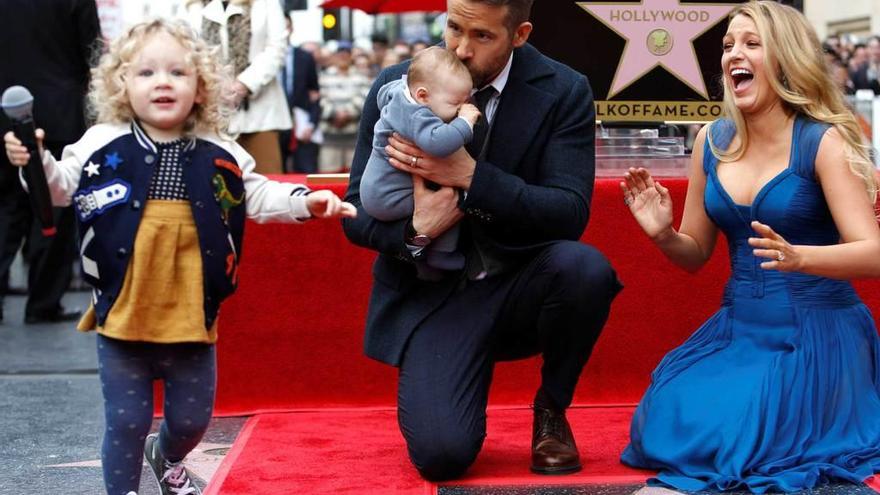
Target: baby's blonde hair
{"x":433,"y":60}
{"x":803,"y":82}
{"x":110,"y":101}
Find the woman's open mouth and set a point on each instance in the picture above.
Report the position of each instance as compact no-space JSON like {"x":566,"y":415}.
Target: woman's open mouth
{"x":742,"y":79}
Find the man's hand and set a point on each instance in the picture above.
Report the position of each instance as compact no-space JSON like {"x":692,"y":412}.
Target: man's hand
{"x":455,"y":170}
{"x":239,"y":92}
{"x":306,"y":134}
{"x":434,"y":212}
{"x":341,"y":118}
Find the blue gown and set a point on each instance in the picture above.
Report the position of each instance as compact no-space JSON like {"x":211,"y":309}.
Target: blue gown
{"x":780,"y":389}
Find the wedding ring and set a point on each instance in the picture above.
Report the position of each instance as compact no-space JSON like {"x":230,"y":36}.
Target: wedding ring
{"x":627,"y":200}
{"x":780,"y":256}
{"x":413,"y":161}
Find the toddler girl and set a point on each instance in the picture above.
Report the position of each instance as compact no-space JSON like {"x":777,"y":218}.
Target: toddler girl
{"x":161,"y":196}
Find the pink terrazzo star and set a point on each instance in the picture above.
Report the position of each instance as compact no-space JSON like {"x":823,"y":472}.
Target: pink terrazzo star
{"x":637,"y":22}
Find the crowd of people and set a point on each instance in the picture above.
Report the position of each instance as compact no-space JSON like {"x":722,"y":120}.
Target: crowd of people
{"x":855,"y":64}
{"x":344,"y":74}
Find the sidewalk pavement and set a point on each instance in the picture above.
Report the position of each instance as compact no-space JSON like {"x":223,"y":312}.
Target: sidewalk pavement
{"x":52,"y":411}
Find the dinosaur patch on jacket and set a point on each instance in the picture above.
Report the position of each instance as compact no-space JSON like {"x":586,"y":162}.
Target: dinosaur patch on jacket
{"x":223,"y":196}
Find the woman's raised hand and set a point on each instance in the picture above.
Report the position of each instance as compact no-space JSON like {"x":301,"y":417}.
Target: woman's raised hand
{"x":648,"y":201}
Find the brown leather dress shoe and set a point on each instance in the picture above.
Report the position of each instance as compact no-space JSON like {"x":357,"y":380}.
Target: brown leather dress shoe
{"x":553,"y":447}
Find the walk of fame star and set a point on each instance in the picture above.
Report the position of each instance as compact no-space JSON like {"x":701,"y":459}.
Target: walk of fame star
{"x":658,"y":32}
{"x":203,"y":461}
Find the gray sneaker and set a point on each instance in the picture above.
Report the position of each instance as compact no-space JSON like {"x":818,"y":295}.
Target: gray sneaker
{"x":173,"y":479}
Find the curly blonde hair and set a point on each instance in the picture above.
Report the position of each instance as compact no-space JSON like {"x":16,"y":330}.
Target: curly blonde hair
{"x":803,"y":82}
{"x":110,"y":100}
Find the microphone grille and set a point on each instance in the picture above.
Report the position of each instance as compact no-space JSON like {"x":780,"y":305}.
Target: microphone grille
{"x":17,"y":102}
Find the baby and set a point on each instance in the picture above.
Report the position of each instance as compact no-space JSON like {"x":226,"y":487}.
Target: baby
{"x":428,"y":107}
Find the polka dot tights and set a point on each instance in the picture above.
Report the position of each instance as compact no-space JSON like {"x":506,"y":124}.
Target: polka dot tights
{"x":127,"y":371}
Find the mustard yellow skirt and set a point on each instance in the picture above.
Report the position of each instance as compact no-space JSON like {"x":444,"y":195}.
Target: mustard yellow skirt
{"x":161,"y":300}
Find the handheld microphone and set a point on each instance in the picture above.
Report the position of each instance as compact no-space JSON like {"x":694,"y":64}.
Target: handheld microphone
{"x":18,"y":103}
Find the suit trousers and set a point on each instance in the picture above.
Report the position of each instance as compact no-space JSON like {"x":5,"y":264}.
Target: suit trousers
{"x":302,"y":160}
{"x":555,"y":305}
{"x":50,"y":259}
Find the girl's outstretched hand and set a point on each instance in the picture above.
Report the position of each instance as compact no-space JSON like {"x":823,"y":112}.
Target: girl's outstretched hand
{"x":16,"y":152}
{"x":325,"y":204}
{"x":781,"y":255}
{"x":648,"y":201}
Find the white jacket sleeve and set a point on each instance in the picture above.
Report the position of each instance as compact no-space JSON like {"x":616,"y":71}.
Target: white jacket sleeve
{"x":265,"y":65}
{"x":63,"y":175}
{"x":269,"y":200}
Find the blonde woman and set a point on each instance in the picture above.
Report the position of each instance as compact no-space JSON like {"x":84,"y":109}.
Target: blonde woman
{"x":252,"y":37}
{"x":780,"y":389}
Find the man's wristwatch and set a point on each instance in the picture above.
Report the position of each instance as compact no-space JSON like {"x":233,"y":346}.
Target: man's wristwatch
{"x":413,"y":238}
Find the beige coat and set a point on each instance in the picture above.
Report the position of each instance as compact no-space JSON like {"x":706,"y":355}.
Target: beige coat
{"x":267,"y":108}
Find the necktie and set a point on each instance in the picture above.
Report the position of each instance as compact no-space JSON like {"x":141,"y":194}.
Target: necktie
{"x":475,"y":264}
{"x":288,"y":70}
{"x":481,"y":128}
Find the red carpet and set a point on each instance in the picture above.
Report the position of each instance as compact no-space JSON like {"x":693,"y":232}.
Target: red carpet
{"x":361,"y":452}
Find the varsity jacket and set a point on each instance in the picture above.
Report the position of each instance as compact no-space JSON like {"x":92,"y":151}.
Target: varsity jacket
{"x":106,"y":176}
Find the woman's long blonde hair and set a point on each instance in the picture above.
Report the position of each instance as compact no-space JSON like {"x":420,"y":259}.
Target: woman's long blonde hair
{"x":110,"y":100}
{"x":803,"y":82}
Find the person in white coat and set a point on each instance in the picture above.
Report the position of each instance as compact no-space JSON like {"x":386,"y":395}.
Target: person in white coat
{"x":137,"y":11}
{"x":253,"y":39}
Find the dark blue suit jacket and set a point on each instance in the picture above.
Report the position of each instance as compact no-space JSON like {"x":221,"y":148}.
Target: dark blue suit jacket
{"x":305,"y":79}
{"x":533,"y":188}
{"x":860,"y":80}
{"x":47,"y":48}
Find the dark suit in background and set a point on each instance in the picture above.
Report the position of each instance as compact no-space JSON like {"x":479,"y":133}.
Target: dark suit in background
{"x":48,"y":48}
{"x":865,"y":78}
{"x":302,"y":92}
{"x":546,"y":292}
